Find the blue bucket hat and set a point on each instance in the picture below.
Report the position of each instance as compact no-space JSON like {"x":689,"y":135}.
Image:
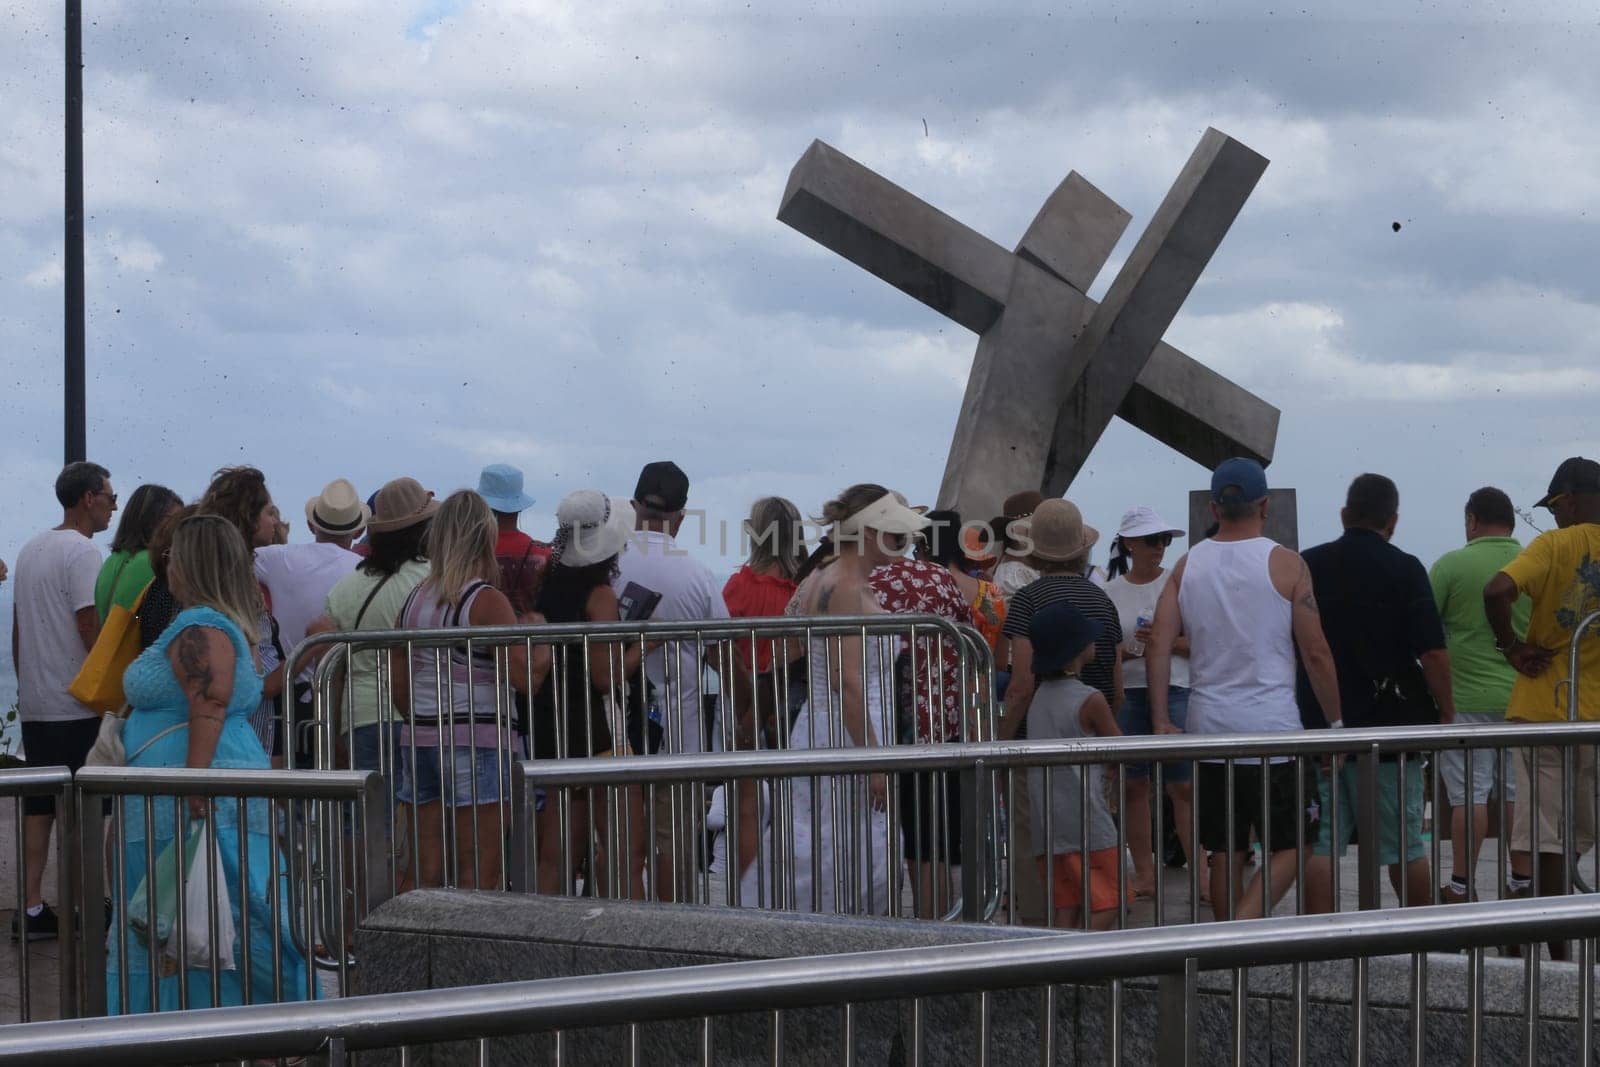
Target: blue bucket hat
{"x":1058,"y":634}
{"x":501,"y":486}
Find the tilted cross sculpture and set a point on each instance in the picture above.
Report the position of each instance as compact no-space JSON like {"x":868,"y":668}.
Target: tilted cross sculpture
{"x":1053,"y":367}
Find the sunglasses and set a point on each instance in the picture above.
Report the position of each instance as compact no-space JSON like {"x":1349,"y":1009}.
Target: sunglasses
{"x":1160,"y":540}
{"x":109,"y":496}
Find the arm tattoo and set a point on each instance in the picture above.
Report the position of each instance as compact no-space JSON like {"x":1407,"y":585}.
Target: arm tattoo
{"x":1309,"y":602}
{"x":194,"y":661}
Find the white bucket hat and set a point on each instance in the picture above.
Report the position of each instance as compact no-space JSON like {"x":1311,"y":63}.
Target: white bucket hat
{"x":1143,"y":521}
{"x":337,"y":511}
{"x":594,"y":527}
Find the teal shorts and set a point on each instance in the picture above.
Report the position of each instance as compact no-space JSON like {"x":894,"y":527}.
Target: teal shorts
{"x":1390,"y":817}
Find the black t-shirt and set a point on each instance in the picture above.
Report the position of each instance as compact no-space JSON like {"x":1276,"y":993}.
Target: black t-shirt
{"x":1087,"y":598}
{"x":1379,"y":616}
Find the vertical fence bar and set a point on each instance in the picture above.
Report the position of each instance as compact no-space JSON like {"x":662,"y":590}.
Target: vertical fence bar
{"x":1367,"y":774}
{"x":976,"y":789}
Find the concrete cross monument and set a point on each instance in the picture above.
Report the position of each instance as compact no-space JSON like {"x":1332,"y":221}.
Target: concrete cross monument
{"x":1053,"y":367}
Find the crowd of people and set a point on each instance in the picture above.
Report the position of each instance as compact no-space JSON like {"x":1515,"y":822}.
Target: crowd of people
{"x":1239,"y":635}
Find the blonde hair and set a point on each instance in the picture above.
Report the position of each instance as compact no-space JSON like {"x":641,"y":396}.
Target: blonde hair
{"x":213,"y":563}
{"x":461,"y":546}
{"x":776,"y":538}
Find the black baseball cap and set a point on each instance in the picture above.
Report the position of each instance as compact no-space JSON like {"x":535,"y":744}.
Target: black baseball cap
{"x":1575,"y":475}
{"x":662,"y":486}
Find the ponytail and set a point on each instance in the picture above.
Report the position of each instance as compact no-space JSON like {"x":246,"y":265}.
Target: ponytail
{"x":1121,"y":559}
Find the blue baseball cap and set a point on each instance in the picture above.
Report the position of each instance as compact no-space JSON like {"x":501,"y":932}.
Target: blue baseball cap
{"x":1239,"y":479}
{"x":501,"y":486}
{"x":1059,"y":633}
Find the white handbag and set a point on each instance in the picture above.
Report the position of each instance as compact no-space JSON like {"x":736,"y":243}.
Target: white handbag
{"x":108,"y":750}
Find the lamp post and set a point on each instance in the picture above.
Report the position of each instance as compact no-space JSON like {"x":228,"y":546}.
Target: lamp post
{"x":76,"y":448}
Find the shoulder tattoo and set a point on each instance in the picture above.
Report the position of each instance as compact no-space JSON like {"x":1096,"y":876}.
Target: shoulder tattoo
{"x":194,"y":661}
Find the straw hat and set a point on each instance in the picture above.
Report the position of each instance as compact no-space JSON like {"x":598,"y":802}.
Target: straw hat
{"x":337,"y":511}
{"x":1058,"y":531}
{"x":400,"y":504}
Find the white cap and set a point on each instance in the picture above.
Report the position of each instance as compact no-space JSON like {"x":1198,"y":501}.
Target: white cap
{"x":1144,"y":522}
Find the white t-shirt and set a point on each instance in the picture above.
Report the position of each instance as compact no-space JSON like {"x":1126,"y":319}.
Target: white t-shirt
{"x":55,"y":576}
{"x":653,"y":561}
{"x":1013,"y":575}
{"x":298,"y":578}
{"x":1132,"y":601}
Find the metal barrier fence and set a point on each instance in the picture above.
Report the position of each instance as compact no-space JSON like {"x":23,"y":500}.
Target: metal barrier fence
{"x":1279,"y":791}
{"x":481,"y":698}
{"x":16,"y":785}
{"x":289,"y":880}
{"x":563,"y":1006}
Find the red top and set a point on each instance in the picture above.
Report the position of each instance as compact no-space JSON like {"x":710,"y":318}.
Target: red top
{"x":916,"y":587}
{"x":752,"y":596}
{"x":521,"y":560}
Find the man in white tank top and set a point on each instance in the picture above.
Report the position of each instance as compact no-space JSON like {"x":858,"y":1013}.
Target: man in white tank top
{"x":1247,"y":605}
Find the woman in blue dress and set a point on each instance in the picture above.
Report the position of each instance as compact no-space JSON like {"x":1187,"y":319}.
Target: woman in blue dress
{"x":192,"y":693}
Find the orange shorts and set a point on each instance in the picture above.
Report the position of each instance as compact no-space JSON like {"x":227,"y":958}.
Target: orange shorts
{"x":1104,"y":865}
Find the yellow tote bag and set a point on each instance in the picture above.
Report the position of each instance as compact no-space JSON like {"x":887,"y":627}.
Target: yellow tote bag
{"x":98,"y":685}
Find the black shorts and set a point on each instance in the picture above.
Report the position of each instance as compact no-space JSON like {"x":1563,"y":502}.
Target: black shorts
{"x":586,"y":732}
{"x":56,"y":744}
{"x":1277,"y":829}
{"x":930,"y":815}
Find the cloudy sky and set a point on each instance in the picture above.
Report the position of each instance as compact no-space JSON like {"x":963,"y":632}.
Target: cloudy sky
{"x":379,"y":238}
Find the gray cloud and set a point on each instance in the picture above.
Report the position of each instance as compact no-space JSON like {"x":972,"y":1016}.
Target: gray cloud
{"x":367,"y":239}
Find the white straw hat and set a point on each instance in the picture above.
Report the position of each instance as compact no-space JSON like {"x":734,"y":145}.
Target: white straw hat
{"x":594,"y":527}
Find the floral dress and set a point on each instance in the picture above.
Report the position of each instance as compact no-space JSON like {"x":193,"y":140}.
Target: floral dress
{"x":916,"y":587}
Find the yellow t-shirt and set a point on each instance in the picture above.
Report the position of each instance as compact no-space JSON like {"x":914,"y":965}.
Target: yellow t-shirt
{"x":1560,"y":572}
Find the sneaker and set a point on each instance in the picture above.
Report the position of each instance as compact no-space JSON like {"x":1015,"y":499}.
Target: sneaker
{"x":1449,"y":894}
{"x":41,"y":927}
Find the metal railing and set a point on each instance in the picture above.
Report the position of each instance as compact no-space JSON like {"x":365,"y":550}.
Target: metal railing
{"x":561,"y":1006}
{"x":590,"y":704}
{"x":17,"y":784}
{"x":1257,"y":773}
{"x":292,"y":878}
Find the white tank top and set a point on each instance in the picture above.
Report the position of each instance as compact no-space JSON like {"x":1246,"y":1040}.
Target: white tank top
{"x":1241,"y":644}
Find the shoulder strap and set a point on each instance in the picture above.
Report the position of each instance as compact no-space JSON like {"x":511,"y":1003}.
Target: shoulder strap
{"x":277,"y":640}
{"x":367,"y":603}
{"x":466,"y":598}
{"x":171,"y":729}
{"x":522,"y":564}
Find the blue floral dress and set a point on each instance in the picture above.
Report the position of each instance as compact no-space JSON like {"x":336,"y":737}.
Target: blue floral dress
{"x":159,"y":702}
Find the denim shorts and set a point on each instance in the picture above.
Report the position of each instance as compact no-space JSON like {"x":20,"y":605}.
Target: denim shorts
{"x":1134,"y":720}
{"x":429,"y":778}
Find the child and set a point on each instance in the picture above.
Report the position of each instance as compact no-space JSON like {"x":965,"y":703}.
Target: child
{"x":1064,"y":707}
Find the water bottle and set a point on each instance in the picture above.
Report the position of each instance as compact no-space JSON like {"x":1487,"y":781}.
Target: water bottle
{"x":1136,"y":646}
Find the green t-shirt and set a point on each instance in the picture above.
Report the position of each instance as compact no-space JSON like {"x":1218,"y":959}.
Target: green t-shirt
{"x":369,"y":703}
{"x":122,"y":579}
{"x":1480,"y":676}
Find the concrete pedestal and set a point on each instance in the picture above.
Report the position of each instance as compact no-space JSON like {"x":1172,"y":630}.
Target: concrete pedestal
{"x":1283,"y":518}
